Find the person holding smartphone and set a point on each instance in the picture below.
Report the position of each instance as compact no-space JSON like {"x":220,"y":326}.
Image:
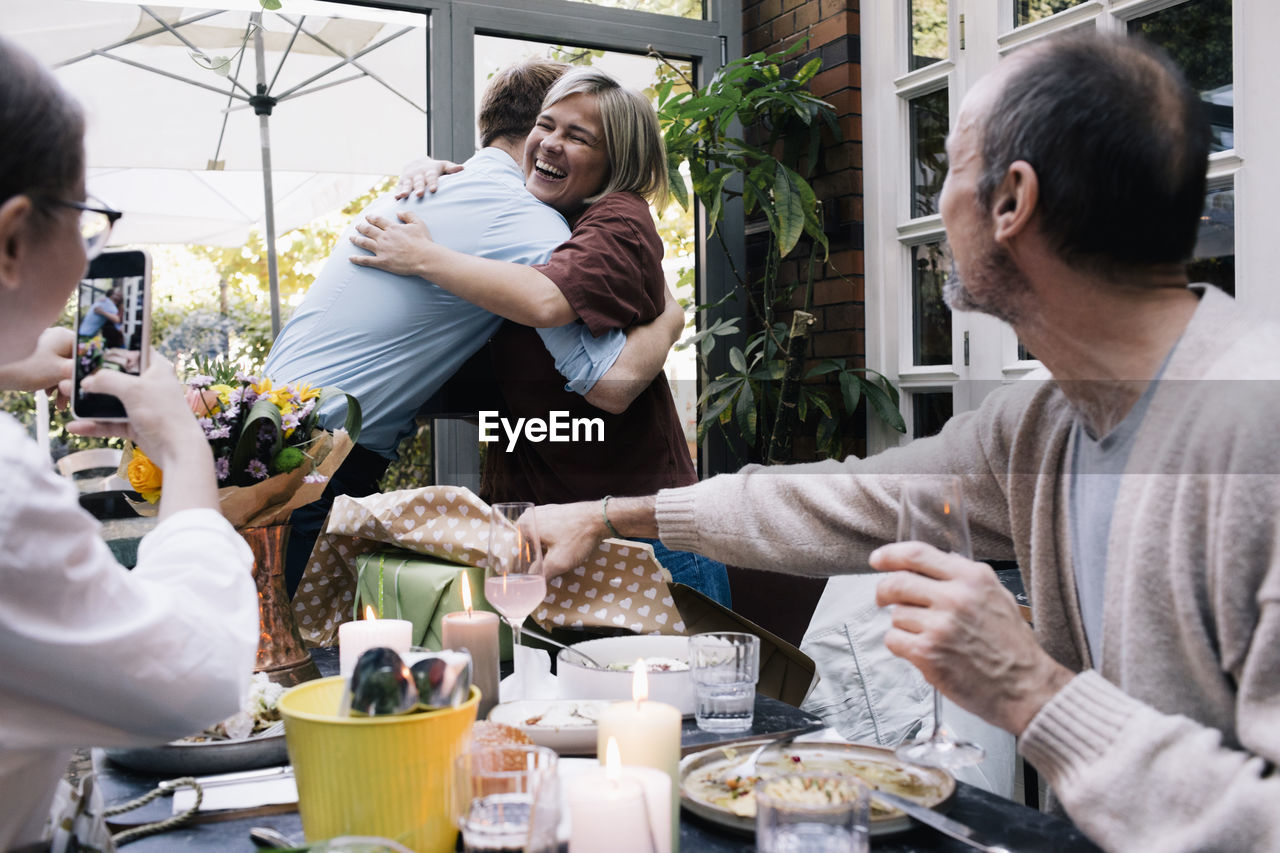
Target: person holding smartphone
{"x":91,"y":653}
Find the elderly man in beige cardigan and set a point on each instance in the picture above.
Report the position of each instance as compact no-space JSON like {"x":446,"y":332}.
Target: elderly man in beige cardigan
{"x":1139,"y":490}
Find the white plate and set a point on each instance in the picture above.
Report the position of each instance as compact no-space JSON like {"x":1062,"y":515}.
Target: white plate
{"x":561,"y":724}
{"x":929,"y":786}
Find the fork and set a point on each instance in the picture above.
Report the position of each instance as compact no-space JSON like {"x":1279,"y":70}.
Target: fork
{"x":748,"y":766}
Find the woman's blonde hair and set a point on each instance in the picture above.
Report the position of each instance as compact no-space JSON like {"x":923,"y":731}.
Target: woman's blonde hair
{"x":633,"y":142}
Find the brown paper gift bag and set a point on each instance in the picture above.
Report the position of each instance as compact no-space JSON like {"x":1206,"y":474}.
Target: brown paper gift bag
{"x":620,"y":587}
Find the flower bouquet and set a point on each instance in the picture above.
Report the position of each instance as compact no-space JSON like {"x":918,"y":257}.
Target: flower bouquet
{"x":271,"y":457}
{"x":90,"y":351}
{"x":269,"y":454}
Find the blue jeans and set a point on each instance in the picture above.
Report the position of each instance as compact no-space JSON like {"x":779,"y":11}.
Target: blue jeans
{"x":707,"y":576}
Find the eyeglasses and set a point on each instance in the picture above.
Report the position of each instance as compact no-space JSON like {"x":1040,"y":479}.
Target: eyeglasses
{"x":95,"y":223}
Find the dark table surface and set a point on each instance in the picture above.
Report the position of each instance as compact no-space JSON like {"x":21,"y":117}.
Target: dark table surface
{"x":1001,"y":821}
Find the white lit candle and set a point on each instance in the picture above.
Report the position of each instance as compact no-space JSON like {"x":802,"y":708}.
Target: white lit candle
{"x":356,"y":638}
{"x":648,"y":735}
{"x":477,"y":632}
{"x":619,"y":809}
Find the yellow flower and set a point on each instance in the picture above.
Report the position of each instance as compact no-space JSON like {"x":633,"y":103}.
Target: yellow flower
{"x":224,"y":394}
{"x":306,"y":392}
{"x":279,"y":396}
{"x":145,"y":477}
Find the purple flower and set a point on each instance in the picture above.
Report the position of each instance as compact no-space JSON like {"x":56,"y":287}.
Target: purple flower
{"x":200,"y":381}
{"x":222,"y":468}
{"x":257,"y":469}
{"x":218,"y":432}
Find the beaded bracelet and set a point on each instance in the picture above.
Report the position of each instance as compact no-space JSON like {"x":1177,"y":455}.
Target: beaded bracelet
{"x":604,"y":513}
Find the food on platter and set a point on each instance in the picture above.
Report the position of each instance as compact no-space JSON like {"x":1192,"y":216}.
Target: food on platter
{"x":258,"y":713}
{"x":710,"y":789}
{"x":653,"y":665}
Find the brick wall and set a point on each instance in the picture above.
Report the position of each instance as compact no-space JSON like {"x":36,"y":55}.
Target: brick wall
{"x":832,"y":29}
{"x":784,"y":603}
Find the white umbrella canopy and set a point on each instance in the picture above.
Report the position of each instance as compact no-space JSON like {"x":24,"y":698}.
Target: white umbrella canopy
{"x":182,"y":151}
{"x":216,"y":208}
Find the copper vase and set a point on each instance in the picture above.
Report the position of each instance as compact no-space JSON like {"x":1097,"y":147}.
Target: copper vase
{"x":281,"y":654}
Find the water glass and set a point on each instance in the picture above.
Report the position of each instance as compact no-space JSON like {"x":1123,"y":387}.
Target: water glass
{"x":812,"y":813}
{"x":725,"y":667}
{"x":507,"y":798}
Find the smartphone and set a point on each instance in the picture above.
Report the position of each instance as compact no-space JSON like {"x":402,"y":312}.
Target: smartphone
{"x":113,"y":327}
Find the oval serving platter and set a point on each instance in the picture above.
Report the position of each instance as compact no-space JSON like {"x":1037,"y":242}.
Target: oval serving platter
{"x":701,"y":794}
{"x":207,"y":757}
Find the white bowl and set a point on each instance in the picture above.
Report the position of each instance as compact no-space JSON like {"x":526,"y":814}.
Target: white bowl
{"x":579,"y":681}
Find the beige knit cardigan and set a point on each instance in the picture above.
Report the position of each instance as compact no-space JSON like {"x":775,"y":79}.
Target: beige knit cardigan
{"x":1171,"y":743}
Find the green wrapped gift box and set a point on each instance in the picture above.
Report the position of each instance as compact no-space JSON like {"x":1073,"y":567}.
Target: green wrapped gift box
{"x":421,"y":589}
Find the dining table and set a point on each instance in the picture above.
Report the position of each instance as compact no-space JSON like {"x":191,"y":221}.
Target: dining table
{"x":999,"y":820}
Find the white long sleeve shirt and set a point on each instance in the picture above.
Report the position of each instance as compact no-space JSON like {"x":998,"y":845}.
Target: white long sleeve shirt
{"x":92,"y":654}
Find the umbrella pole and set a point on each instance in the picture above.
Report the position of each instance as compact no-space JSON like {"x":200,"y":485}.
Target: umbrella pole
{"x":262,"y":105}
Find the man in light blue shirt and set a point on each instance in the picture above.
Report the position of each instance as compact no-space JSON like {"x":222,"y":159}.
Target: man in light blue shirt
{"x":391,"y":341}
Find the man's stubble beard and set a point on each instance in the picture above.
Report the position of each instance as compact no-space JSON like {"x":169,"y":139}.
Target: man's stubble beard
{"x":1001,"y":286}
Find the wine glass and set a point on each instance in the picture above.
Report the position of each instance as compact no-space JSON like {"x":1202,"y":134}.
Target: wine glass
{"x":513,"y":580}
{"x":932,"y":511}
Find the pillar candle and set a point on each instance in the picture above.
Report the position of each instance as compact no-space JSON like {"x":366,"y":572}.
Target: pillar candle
{"x":356,"y":638}
{"x":648,"y":735}
{"x":619,"y":809}
{"x":477,"y":632}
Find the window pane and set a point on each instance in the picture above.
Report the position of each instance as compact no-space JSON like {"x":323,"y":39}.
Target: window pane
{"x":929,"y":411}
{"x":928,"y":151}
{"x":930,"y":316}
{"x":678,"y":8}
{"x":1198,"y":37}
{"x":1026,"y":11}
{"x":928,"y":33}
{"x":1215,"y":252}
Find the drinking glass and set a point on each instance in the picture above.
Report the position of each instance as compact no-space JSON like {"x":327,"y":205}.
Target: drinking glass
{"x":812,"y":813}
{"x":513,"y":580}
{"x":932,"y":511}
{"x":507,"y":798}
{"x":724,"y":666}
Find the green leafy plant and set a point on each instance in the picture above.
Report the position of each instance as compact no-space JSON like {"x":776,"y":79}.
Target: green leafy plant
{"x":766,"y":394}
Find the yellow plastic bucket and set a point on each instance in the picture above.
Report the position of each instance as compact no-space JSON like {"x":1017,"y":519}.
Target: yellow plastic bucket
{"x":388,"y":776}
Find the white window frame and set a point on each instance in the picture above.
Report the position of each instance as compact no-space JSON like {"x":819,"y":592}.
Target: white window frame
{"x":1252,"y":168}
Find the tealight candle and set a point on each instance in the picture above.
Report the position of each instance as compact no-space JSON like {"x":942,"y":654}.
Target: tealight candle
{"x":619,"y":809}
{"x":477,"y":632}
{"x":648,"y":735}
{"x":356,"y":638}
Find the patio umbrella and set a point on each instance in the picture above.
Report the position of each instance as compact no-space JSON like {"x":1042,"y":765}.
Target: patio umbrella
{"x":332,"y":96}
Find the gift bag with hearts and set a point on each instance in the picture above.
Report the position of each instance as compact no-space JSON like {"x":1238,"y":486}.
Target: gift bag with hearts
{"x":620,"y":587}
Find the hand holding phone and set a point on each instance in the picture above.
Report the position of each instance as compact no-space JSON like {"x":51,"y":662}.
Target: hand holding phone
{"x":113,"y":328}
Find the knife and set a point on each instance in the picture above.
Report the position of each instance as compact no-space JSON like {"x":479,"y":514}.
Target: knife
{"x":940,"y":822}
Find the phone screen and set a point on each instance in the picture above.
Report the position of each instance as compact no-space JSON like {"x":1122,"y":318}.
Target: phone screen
{"x":113,"y":326}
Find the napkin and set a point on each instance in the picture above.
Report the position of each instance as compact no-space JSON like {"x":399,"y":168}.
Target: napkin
{"x":277,"y":789}
{"x":532,"y":678}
